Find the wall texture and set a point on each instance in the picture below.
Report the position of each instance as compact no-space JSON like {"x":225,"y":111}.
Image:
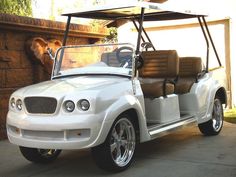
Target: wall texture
{"x":16,"y":68}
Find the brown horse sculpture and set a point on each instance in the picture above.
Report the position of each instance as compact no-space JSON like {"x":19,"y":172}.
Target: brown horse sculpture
{"x":37,"y":50}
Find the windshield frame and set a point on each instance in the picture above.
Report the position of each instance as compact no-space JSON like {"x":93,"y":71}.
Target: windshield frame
{"x":58,"y":60}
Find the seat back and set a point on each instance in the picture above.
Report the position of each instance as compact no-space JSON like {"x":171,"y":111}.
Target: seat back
{"x":190,"y":66}
{"x":159,"y":64}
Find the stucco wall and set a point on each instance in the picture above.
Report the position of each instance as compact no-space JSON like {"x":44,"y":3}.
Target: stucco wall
{"x":16,"y":68}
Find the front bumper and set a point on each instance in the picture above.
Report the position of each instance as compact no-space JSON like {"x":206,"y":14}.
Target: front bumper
{"x":56,"y":132}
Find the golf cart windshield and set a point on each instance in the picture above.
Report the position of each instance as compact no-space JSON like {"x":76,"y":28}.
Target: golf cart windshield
{"x":112,"y":59}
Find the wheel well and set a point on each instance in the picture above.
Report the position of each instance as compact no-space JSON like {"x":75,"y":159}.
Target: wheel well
{"x":134,"y":116}
{"x":221,"y":94}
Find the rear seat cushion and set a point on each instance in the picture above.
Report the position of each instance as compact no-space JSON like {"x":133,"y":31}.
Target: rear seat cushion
{"x":184,"y":85}
{"x":155,"y":89}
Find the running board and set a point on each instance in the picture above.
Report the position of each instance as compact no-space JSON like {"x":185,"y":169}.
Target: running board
{"x":161,"y":130}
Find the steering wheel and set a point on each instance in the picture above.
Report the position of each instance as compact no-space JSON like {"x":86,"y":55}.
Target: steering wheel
{"x":125,"y":60}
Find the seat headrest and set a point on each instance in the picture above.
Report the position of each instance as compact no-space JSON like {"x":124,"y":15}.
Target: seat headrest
{"x":159,"y":64}
{"x":190,"y":66}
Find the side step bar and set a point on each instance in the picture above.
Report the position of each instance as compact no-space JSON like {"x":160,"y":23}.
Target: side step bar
{"x":161,"y":130}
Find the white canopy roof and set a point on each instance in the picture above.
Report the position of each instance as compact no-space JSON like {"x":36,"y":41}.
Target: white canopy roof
{"x":132,"y":10}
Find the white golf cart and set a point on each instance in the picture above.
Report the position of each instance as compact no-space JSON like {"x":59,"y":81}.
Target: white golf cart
{"x":109,"y":97}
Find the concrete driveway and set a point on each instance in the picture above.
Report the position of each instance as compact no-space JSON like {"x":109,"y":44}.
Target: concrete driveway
{"x":185,"y":153}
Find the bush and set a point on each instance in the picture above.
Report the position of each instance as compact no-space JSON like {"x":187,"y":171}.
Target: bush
{"x":16,"y":7}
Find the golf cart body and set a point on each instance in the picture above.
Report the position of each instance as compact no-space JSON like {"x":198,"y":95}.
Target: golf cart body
{"x":96,"y":88}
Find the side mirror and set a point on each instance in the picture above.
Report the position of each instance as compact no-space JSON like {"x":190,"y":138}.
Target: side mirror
{"x":49,"y":50}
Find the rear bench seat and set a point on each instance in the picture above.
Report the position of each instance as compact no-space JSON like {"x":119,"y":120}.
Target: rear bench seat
{"x":189,"y":68}
{"x":158,"y":67}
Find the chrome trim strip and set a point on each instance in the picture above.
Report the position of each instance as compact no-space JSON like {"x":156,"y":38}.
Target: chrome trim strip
{"x":161,"y":130}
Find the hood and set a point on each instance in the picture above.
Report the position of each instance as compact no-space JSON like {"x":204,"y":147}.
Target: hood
{"x":68,"y":85}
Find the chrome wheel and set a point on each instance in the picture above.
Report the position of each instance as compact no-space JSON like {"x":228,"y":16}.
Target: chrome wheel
{"x":215,"y":124}
{"x":117,"y":152}
{"x":122,"y":144}
{"x":217,"y":115}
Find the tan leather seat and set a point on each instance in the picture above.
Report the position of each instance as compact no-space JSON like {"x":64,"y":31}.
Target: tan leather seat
{"x":161,"y":65}
{"x":189,"y":68}
{"x":157,"y":89}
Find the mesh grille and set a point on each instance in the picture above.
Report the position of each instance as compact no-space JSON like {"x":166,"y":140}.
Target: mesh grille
{"x":40,"y":105}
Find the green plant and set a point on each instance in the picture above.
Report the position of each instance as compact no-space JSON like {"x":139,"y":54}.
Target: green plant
{"x":16,"y":7}
{"x":230,"y":115}
{"x":112,"y":37}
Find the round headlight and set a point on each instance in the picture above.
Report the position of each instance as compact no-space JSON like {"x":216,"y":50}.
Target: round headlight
{"x":19,"y":104}
{"x":69,"y":106}
{"x":12,"y":102}
{"x":83,"y":104}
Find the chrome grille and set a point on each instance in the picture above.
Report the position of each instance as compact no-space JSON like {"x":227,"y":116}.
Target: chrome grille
{"x":40,"y":105}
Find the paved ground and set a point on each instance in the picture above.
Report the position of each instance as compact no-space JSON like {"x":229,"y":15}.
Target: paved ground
{"x":185,"y":153}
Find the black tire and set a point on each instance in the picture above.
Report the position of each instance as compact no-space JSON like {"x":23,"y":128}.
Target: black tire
{"x":117,"y":152}
{"x":213,"y":126}
{"x":39,"y":155}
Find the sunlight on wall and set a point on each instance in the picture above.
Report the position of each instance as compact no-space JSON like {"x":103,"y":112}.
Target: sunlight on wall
{"x":186,"y":41}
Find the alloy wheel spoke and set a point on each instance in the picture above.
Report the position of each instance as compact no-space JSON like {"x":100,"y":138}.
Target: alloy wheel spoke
{"x":124,"y":143}
{"x":217,"y":111}
{"x":113,"y":147}
{"x":118,"y":153}
{"x":122,"y":129}
{"x":214,"y":123}
{"x":114,"y":134}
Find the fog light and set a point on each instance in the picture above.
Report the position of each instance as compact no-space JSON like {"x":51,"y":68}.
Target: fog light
{"x":69,"y":106}
{"x":19,"y":104}
{"x":83,"y":104}
{"x":12,"y":102}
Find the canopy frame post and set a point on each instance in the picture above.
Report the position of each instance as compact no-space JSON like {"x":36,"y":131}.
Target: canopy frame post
{"x":211,"y":40}
{"x":67,"y":30}
{"x":140,"y":31}
{"x":207,"y":43}
{"x":57,"y":65}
